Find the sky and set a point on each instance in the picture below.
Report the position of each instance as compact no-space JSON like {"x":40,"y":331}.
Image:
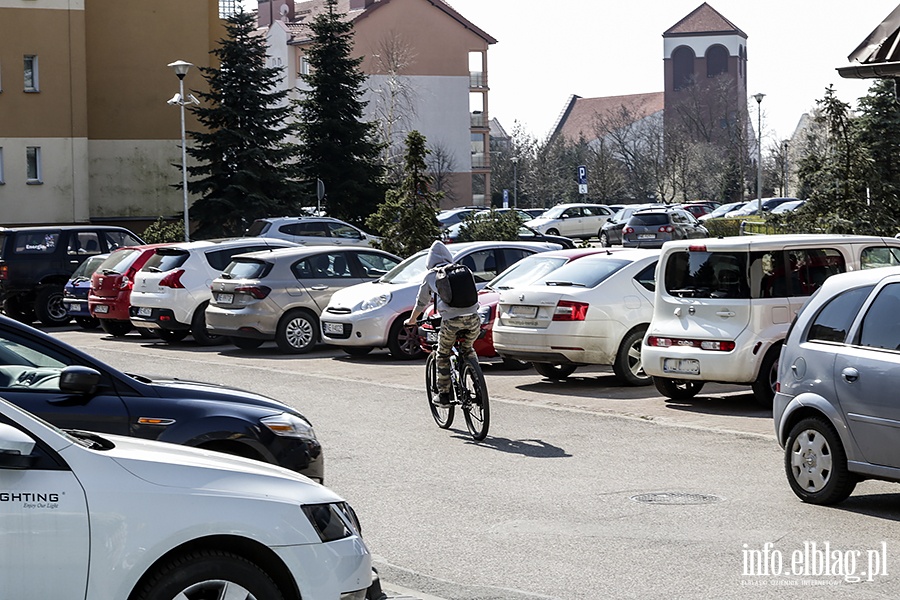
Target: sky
{"x":547,"y":51}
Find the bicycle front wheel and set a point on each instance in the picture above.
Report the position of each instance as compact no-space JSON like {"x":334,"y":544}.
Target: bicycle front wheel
{"x":442,"y":416}
{"x":476,"y":406}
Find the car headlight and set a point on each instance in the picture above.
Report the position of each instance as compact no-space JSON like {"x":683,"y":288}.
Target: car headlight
{"x":333,"y":521}
{"x":376,"y":302}
{"x":288,"y":425}
{"x":484,"y":313}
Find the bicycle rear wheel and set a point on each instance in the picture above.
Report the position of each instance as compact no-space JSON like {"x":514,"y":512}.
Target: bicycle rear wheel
{"x":442,"y":416}
{"x":476,"y":406}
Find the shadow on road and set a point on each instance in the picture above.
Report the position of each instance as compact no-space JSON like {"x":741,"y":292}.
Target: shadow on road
{"x":532,"y":448}
{"x":882,"y":506}
{"x":737,"y":405}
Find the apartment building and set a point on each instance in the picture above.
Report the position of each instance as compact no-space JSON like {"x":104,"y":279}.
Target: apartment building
{"x":426,"y":68}
{"x":85,"y":130}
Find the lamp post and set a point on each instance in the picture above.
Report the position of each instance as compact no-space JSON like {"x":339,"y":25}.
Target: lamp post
{"x":181,"y":68}
{"x":784,"y":168}
{"x":515,"y":162}
{"x":759,"y":99}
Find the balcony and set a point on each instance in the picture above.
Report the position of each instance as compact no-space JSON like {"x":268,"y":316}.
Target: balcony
{"x":478,"y":120}
{"x":480,"y":161}
{"x":477,"y":80}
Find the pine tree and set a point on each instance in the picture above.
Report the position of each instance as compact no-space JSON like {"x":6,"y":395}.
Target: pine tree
{"x":406,"y":219}
{"x":243,"y":160}
{"x":336,"y":146}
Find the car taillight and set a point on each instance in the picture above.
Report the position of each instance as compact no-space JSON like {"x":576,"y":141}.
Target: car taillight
{"x":126,"y":284}
{"x":569,"y":310}
{"x":172,"y":280}
{"x":714,"y":345}
{"x":4,"y":271}
{"x":666,"y":229}
{"x":629,"y":230}
{"x":257,"y":291}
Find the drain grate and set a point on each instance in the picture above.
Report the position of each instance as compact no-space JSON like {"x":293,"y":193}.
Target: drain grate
{"x":676,"y":498}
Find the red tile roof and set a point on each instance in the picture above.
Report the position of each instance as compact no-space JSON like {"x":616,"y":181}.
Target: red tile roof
{"x":580,"y":115}
{"x":703,"y":20}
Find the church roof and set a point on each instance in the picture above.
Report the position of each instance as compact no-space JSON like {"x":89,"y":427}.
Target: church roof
{"x":703,"y":20}
{"x":580,"y":114}
{"x":306,"y":11}
{"x":879,"y":54}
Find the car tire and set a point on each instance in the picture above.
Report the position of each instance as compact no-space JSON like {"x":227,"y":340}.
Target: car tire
{"x":172,"y":335}
{"x":764,"y":386}
{"x":147,"y":333}
{"x":403,"y":342}
{"x":298,"y":332}
{"x":206,"y":574}
{"x":554,"y":372}
{"x":198,"y":329}
{"x":604,"y":239}
{"x":678,"y":389}
{"x":87,"y":322}
{"x":357,"y":350}
{"x":816,"y":464}
{"x":553,"y":231}
{"x":48,"y":306}
{"x":23,"y":312}
{"x":246,"y":343}
{"x":628,"y":366}
{"x":117,"y":329}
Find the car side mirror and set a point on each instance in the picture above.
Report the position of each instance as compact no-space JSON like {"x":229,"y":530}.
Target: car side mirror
{"x":15,"y":448}
{"x":77,"y":379}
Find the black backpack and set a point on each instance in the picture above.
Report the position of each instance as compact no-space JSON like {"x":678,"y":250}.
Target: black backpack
{"x":456,"y":285}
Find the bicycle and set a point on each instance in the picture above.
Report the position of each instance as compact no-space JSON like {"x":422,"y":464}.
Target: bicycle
{"x":468,"y":389}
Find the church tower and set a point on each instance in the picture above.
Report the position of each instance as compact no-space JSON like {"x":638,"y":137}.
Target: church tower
{"x":705,"y":58}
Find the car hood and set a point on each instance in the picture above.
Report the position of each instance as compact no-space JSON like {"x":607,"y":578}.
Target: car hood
{"x":185,"y":388}
{"x":351,"y":297}
{"x":177,"y":466}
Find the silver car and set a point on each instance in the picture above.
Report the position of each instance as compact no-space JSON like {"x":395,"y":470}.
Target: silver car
{"x":652,"y":227}
{"x":279,"y":295}
{"x":836,"y":410}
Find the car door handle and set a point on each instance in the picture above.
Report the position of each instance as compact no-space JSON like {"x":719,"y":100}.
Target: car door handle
{"x":725,"y":313}
{"x":849,"y":374}
{"x":319,"y":288}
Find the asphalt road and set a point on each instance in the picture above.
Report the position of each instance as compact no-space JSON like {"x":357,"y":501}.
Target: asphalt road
{"x":584,"y":489}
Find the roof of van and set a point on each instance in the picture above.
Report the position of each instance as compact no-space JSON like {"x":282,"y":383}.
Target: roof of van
{"x":779,"y":240}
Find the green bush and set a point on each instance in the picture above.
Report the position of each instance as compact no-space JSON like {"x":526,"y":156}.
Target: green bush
{"x":495,"y":226}
{"x":723,"y":227}
{"x":162,"y":232}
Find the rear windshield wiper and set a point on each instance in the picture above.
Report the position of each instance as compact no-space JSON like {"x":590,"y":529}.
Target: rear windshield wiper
{"x":566,"y":283}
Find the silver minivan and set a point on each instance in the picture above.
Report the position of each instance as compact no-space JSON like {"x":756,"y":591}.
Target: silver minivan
{"x":836,"y":414}
{"x":723,"y":306}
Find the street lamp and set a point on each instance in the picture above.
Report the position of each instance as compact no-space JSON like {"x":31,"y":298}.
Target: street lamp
{"x":784,"y":168}
{"x":759,"y":99}
{"x":181,"y":68}
{"x":515,"y":162}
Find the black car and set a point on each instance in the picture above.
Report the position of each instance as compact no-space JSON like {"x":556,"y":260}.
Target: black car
{"x":36,"y":263}
{"x":73,"y":390}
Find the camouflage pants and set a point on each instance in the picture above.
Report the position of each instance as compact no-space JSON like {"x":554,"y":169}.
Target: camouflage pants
{"x":450,"y":328}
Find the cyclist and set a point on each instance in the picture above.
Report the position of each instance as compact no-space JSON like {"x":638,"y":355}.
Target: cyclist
{"x":453,"y":320}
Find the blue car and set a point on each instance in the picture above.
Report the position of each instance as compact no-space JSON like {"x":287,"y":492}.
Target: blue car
{"x":75,"y":294}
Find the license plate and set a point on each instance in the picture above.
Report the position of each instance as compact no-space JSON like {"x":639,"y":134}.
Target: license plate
{"x":523,"y":312}
{"x":144,"y":311}
{"x":431,"y":336}
{"x":337,"y":328}
{"x":646,"y":236}
{"x":684,"y":366}
{"x":101,"y":308}
{"x":74,"y":307}
{"x":225,"y":298}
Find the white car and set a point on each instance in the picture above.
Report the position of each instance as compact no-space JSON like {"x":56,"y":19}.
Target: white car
{"x":592,"y":311}
{"x":311,"y":231}
{"x":573,"y":220}
{"x":371,"y":315}
{"x":98,"y":516}
{"x":172,"y":289}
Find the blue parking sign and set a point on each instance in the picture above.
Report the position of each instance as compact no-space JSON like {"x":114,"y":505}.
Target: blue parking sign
{"x":582,"y":175}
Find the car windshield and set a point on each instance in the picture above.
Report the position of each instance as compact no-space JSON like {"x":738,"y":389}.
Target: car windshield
{"x":587,"y":272}
{"x":119,"y":261}
{"x":87,"y":268}
{"x":245,"y":268}
{"x":726,"y":208}
{"x":166,"y":259}
{"x":258,"y":228}
{"x":409,"y":271}
{"x":648,"y":219}
{"x":554,"y":212}
{"x":526,"y":271}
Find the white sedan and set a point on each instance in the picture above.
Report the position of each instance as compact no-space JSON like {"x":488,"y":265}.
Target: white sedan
{"x":96,"y":517}
{"x":593,"y":311}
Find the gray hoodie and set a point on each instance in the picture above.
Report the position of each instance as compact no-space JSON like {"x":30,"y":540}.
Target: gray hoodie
{"x":439,"y":255}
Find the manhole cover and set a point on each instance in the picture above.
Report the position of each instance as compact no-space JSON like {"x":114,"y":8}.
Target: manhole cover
{"x":676,"y":498}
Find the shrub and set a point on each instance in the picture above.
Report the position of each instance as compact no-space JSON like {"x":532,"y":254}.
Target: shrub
{"x":162,"y":231}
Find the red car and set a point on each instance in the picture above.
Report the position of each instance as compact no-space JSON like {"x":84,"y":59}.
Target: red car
{"x":527,"y":270}
{"x":110,"y":295}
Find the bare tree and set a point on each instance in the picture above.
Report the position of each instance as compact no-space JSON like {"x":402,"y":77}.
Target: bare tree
{"x":441,"y":166}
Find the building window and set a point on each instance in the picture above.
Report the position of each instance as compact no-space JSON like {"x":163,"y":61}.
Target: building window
{"x":33,"y":159}
{"x":304,"y":65}
{"x":31,"y":73}
{"x":716,"y":61}
{"x":683,"y":67}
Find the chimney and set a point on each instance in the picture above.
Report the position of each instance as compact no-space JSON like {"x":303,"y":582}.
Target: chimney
{"x":361,"y":4}
{"x":270,"y":11}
